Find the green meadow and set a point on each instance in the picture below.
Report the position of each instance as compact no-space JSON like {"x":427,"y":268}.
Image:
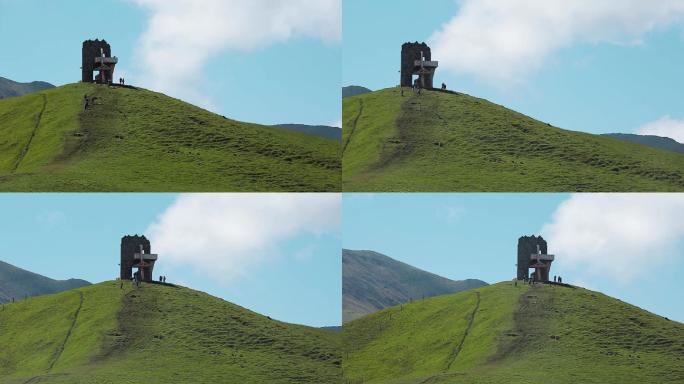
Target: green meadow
{"x":156,"y":334}
{"x":514,"y":334}
{"x":454,"y":142}
{"x":138,"y":140}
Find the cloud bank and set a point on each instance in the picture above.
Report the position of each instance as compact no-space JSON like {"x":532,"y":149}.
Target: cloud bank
{"x":225,"y":236}
{"x":502,"y":41}
{"x":619,"y":237}
{"x":183,"y":35}
{"x":666,"y":127}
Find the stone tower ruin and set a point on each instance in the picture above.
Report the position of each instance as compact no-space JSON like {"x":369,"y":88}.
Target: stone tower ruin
{"x":97,"y":56}
{"x":532,"y":253}
{"x":135,"y":253}
{"x":416,"y":59}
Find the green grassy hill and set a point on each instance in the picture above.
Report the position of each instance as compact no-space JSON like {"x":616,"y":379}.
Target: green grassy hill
{"x":138,"y":140}
{"x":454,"y":142}
{"x":156,"y":334}
{"x":507,"y":334}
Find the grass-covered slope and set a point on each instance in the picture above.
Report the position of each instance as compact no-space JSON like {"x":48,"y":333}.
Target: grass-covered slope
{"x":372,"y":281}
{"x":507,"y":334}
{"x":454,"y":142}
{"x":156,"y":334}
{"x":138,"y":140}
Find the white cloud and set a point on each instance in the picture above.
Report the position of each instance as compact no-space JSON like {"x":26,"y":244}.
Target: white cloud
{"x":183,"y":35}
{"x":452,"y":214}
{"x":224,"y":236}
{"x":51,"y":218}
{"x":666,"y":127}
{"x":501,"y":41}
{"x":617,"y":237}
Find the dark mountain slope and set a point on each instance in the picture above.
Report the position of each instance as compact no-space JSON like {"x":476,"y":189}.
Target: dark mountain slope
{"x":650,"y":140}
{"x":354,"y":90}
{"x":328,"y":132}
{"x":9,"y":88}
{"x":18,"y":283}
{"x":372,"y":281}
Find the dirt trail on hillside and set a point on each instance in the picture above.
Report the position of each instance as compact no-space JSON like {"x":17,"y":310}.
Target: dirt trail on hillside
{"x":417,"y":122}
{"x":71,"y":328}
{"x":26,"y":148}
{"x":60,"y":349}
{"x":459,"y":347}
{"x":530,"y":321}
{"x":455,"y":352}
{"x":353,"y":127}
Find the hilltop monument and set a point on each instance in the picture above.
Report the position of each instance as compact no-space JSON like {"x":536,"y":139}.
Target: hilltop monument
{"x":135,"y":253}
{"x":416,"y":59}
{"x":97,"y":56}
{"x":532,"y":255}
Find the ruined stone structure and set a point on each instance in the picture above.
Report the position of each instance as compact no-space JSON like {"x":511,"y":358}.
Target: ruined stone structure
{"x":97,"y":56}
{"x":135,"y":253}
{"x":532,"y":254}
{"x":416,"y":59}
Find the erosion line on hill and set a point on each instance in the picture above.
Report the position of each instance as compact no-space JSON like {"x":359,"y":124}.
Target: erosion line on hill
{"x":25,"y":150}
{"x":71,"y":328}
{"x":353,"y":128}
{"x":457,"y":350}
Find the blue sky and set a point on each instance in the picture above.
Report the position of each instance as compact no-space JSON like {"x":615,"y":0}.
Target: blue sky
{"x":461,"y":236}
{"x":78,"y":236}
{"x":614,"y":68}
{"x":280,"y":76}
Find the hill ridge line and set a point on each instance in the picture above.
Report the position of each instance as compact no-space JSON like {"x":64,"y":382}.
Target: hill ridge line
{"x":25,"y":150}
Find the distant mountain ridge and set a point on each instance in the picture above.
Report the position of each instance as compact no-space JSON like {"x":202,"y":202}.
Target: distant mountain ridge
{"x":18,"y":283}
{"x":372,"y":281}
{"x":328,"y":132}
{"x":10,"y":88}
{"x":354,"y":90}
{"x":659,"y":142}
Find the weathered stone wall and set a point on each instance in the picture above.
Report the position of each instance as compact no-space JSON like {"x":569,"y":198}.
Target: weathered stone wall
{"x":130,"y":245}
{"x":527,"y":245}
{"x":91,"y":50}
{"x":410,"y":52}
